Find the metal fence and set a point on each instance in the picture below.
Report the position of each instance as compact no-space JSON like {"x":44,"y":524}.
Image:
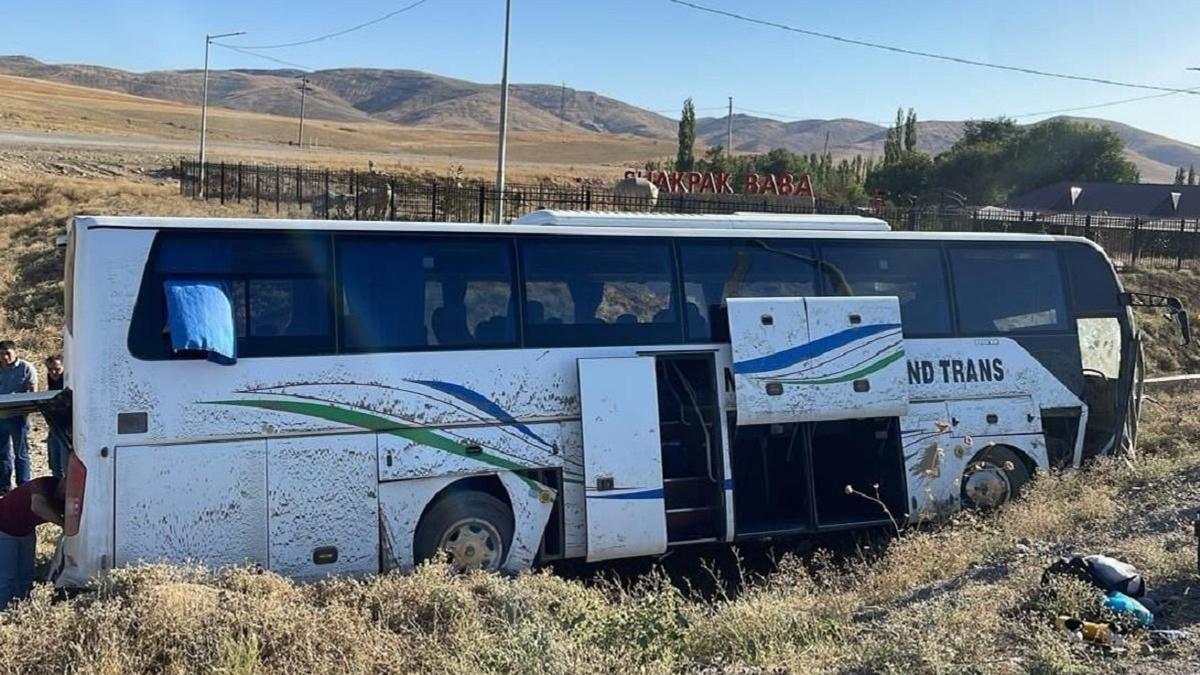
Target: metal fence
{"x":348,"y":194}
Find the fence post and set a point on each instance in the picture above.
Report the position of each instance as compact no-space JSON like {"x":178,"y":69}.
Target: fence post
{"x":278,"y":170}
{"x":1179,"y":248}
{"x":299,"y":188}
{"x":1087,"y":226}
{"x":391,"y":199}
{"x":354,"y":190}
{"x":1133,"y":255}
{"x":326,"y":208}
{"x":239,"y":180}
{"x":222,"y":182}
{"x":482,"y":201}
{"x":433,"y":202}
{"x":587,"y":199}
{"x":257,"y":187}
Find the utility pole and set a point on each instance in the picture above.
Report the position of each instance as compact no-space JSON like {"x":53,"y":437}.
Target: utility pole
{"x":562,"y":107}
{"x":303,"y":89}
{"x":503,"y":120}
{"x":729,"y":131}
{"x":204,"y":101}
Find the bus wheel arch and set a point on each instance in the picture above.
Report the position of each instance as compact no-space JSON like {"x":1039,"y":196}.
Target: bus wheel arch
{"x":996,"y":475}
{"x":472,"y":519}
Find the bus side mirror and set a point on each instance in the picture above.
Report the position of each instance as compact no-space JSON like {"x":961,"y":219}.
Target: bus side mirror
{"x":1176,"y":313}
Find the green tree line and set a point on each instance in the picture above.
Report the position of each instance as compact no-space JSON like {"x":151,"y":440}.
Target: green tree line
{"x":992,"y":161}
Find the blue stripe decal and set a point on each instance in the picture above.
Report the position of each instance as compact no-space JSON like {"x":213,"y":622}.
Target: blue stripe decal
{"x":653,"y":493}
{"x":794,"y":355}
{"x":482,"y":403}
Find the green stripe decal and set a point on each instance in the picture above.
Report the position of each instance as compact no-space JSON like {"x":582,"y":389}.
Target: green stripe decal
{"x":369,"y":422}
{"x":853,"y":375}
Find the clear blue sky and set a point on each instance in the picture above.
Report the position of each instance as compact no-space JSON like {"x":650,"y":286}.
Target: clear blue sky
{"x":654,"y":54}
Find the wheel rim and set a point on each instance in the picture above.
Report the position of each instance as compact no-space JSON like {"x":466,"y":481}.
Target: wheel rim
{"x":987,"y":486}
{"x":472,"y":543}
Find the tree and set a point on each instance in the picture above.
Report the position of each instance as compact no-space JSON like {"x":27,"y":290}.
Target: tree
{"x":904,"y":178}
{"x":1064,"y":150}
{"x":1191,"y":177}
{"x":910,"y":131}
{"x":996,"y":159}
{"x":893,"y":143}
{"x":999,"y":130}
{"x":1179,"y":179}
{"x":685,"y":158}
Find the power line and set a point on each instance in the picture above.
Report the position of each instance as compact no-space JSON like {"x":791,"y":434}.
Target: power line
{"x":929,"y":55}
{"x":242,"y":50}
{"x":339,"y":33}
{"x":668,"y":111}
{"x":1094,"y":106}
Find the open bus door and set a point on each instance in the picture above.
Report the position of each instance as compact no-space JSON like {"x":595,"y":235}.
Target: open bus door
{"x":810,"y":359}
{"x":622,"y":457}
{"x":820,"y":384}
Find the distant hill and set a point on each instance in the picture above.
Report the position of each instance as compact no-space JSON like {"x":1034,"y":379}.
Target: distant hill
{"x":415,"y":98}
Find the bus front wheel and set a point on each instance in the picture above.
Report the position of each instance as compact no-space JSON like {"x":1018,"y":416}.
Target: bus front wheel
{"x":474,"y":529}
{"x":993,"y":477}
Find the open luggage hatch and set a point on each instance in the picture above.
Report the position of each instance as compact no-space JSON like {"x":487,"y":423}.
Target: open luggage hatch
{"x":55,"y":407}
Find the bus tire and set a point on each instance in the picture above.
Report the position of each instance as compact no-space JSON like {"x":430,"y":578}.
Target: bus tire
{"x":474,"y":529}
{"x":993,"y":477}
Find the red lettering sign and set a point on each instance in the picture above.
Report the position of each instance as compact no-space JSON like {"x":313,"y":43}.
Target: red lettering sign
{"x":723,"y":184}
{"x":750,"y":184}
{"x":784,"y":184}
{"x":803,"y":186}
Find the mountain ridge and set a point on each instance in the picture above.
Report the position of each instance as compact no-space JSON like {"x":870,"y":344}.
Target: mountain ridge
{"x":418,"y":98}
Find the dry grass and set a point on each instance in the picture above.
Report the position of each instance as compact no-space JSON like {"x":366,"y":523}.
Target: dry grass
{"x":962,"y":597}
{"x":41,"y":107}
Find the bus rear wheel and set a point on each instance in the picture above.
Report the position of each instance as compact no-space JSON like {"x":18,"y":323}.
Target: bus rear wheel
{"x":474,"y":529}
{"x":992,"y":478}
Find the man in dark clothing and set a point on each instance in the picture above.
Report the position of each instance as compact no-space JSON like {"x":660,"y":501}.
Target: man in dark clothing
{"x":17,"y":376}
{"x":21,"y":511}
{"x":56,"y":454}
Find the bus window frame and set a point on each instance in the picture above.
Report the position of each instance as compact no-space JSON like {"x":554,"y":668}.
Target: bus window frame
{"x":947,"y":278}
{"x":725,"y":242}
{"x":150,"y":292}
{"x":511,"y":244}
{"x":673,"y":279}
{"x":1068,"y":321}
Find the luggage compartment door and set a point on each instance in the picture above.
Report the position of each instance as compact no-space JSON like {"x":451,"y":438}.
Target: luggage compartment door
{"x":622,"y":454}
{"x":813,"y":359}
{"x":199,"y":502}
{"x":323,"y":495}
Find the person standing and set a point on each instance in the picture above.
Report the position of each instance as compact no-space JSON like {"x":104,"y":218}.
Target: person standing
{"x":56,"y":454}
{"x":21,"y":511}
{"x":17,"y":376}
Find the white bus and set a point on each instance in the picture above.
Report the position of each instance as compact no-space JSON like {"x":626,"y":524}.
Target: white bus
{"x":348,"y":398}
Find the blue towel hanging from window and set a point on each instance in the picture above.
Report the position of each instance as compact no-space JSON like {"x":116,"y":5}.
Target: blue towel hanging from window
{"x":200,"y":318}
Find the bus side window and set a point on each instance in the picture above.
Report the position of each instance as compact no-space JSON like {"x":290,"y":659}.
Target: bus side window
{"x":716,"y":270}
{"x":1008,"y":289}
{"x":413,"y":293}
{"x":913,"y":273}
{"x":278,"y":286}
{"x":595,"y":292}
{"x":1093,"y":282}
